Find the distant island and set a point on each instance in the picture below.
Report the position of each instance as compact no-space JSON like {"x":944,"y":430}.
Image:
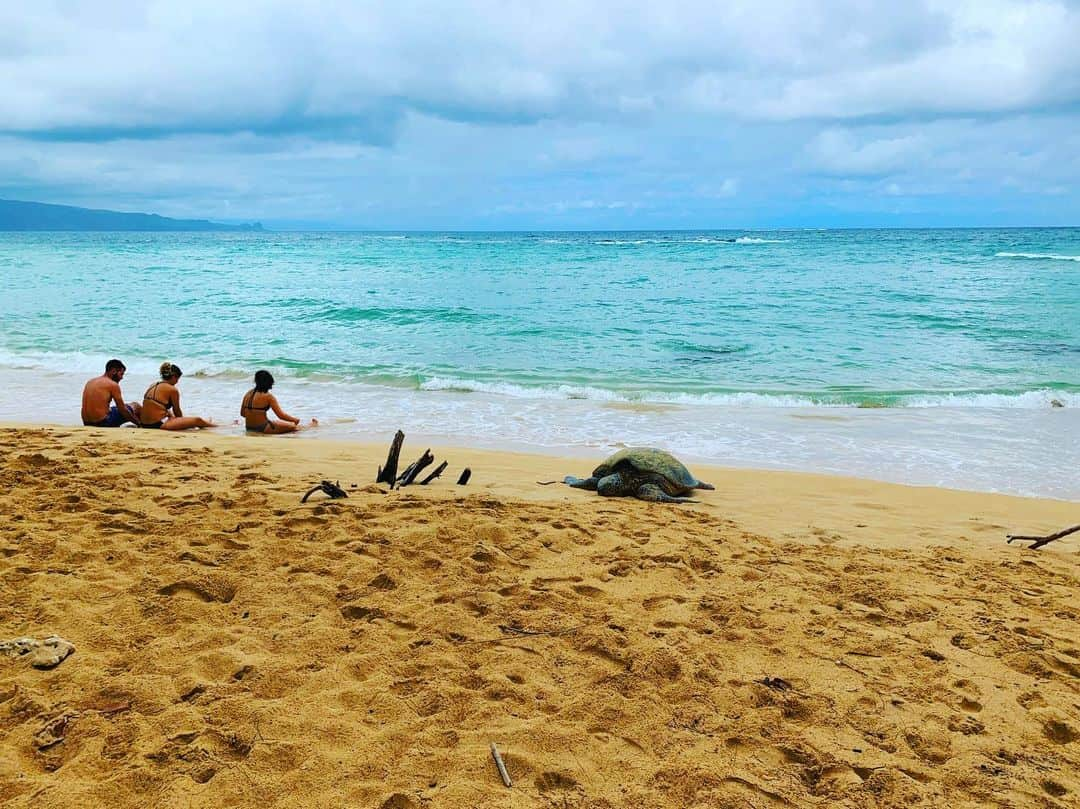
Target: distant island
{"x":40,"y":216}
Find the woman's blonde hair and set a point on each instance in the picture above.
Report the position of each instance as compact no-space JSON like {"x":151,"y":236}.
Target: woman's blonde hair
{"x":168,"y":369}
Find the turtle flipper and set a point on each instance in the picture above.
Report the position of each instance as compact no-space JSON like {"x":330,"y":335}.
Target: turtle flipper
{"x":614,"y":485}
{"x":580,"y":483}
{"x":650,"y":491}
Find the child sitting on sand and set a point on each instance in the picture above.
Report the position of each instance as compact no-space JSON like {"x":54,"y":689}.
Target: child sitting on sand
{"x":258,"y":401}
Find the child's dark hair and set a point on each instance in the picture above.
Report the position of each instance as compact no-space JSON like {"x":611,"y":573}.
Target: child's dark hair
{"x":263,"y":381}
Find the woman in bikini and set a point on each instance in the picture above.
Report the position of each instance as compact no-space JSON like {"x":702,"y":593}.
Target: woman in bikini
{"x":161,"y":404}
{"x":256,"y":405}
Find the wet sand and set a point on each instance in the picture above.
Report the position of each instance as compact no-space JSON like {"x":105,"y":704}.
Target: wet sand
{"x":790,"y":640}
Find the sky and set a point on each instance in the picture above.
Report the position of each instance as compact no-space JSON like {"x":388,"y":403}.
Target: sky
{"x":549,"y":115}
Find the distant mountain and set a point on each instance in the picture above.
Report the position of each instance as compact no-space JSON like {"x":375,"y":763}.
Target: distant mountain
{"x":39,"y":216}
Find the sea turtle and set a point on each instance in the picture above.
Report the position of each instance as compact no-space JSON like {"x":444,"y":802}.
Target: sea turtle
{"x":642,"y":472}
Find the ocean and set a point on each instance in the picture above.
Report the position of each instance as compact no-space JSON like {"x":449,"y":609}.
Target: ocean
{"x":931,"y":357}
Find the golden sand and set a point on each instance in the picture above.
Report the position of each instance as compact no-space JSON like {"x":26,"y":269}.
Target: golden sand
{"x":792,"y":640}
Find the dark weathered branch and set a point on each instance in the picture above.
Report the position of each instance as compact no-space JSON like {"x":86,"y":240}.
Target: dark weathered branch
{"x":415,"y":468}
{"x":438,"y":471}
{"x":388,"y":473}
{"x":465,"y":475}
{"x":1038,"y":542}
{"x":332,"y":489}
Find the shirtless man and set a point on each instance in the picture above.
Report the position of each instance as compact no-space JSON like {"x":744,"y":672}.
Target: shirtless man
{"x":99,"y":392}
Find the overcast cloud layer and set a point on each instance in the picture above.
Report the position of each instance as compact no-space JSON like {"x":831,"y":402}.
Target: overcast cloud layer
{"x":554,"y":115}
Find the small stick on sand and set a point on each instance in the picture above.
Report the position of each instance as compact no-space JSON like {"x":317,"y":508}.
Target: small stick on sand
{"x":502,"y":767}
{"x":1038,"y":542}
{"x":514,"y":630}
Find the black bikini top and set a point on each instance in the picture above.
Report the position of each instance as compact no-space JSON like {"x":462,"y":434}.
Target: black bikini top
{"x":150,"y":395}
{"x":249,"y":403}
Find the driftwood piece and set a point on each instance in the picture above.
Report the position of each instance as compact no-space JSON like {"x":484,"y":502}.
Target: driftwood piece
{"x":415,"y":468}
{"x":334,"y":490}
{"x":500,"y":766}
{"x":388,"y":473}
{"x":465,"y":475}
{"x":438,"y":471}
{"x":1038,"y":542}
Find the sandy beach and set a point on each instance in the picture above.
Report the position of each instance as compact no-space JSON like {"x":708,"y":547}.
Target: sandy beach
{"x":789,"y":640}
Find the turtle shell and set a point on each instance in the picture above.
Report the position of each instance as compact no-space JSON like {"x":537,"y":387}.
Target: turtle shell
{"x":649,"y":459}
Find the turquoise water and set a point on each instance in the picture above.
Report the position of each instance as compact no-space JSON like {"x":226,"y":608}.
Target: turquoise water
{"x":461,"y":334}
{"x":863,"y":317}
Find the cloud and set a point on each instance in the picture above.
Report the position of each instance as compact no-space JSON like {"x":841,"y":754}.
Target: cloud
{"x":94,"y":71}
{"x":837,"y":151}
{"x":571,"y":114}
{"x":1000,"y":57}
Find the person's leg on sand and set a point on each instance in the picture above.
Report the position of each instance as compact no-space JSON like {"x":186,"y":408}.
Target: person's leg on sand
{"x":186,"y":423}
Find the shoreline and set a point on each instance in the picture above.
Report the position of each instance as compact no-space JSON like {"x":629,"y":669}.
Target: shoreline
{"x":974,"y":448}
{"x":773,"y":502}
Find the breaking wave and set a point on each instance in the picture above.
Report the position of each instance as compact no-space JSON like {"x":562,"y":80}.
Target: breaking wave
{"x":1042,"y":256}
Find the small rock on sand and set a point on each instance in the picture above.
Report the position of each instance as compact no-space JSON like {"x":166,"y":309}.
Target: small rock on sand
{"x":45,"y":654}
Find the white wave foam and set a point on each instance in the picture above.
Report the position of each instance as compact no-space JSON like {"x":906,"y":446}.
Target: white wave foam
{"x":84,"y":363}
{"x":587,"y":392}
{"x":737,"y":240}
{"x":1039,"y":399}
{"x":90,"y":364}
{"x":74,"y":362}
{"x":698,"y":240}
{"x":1044,"y":256}
{"x":1031,"y":400}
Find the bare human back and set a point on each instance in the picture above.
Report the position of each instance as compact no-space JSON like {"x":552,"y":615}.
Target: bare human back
{"x":103,"y":402}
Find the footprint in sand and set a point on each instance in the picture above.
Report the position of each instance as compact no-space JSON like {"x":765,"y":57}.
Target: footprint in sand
{"x":399,"y":800}
{"x":188,"y":556}
{"x":968,"y":725}
{"x":656,"y":602}
{"x":555,"y":781}
{"x":588,"y":591}
{"x":357,"y":612}
{"x":1060,"y":731}
{"x":1054,"y":789}
{"x":204,"y":588}
{"x":383,"y":582}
